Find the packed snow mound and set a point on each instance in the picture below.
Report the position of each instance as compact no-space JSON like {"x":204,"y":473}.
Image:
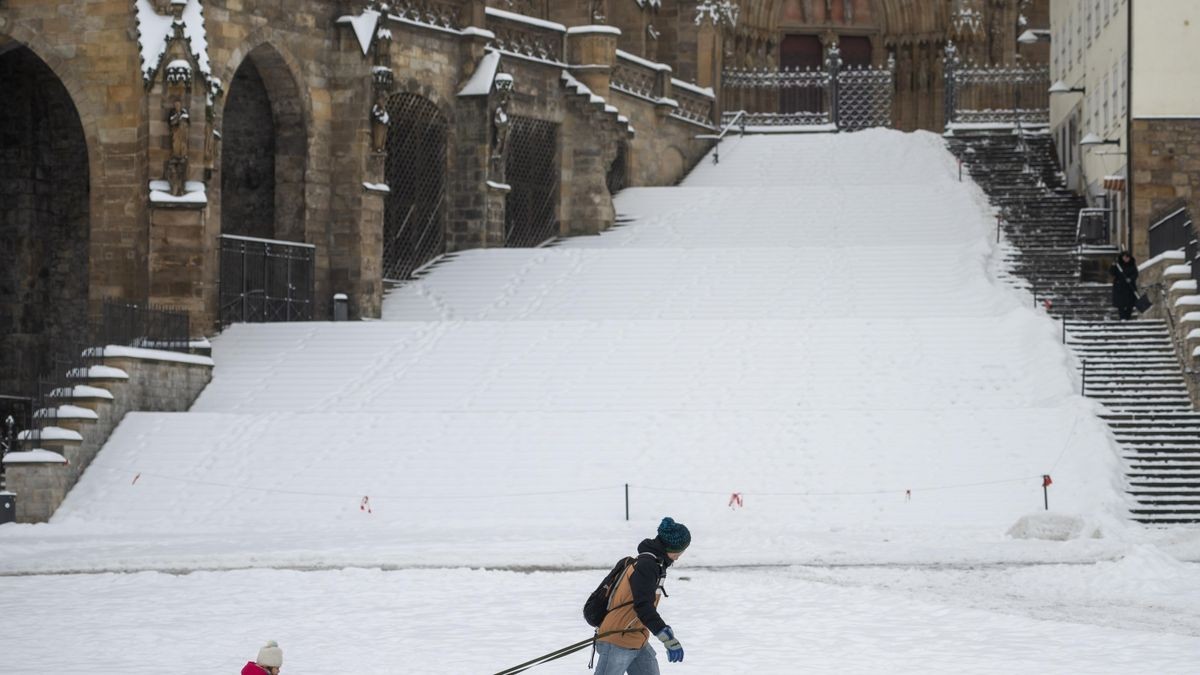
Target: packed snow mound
{"x":810,"y":324}
{"x":1054,"y":527}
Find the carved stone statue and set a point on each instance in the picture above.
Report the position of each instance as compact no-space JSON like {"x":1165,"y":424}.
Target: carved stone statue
{"x":380,"y":122}
{"x":501,"y":126}
{"x":177,"y":163}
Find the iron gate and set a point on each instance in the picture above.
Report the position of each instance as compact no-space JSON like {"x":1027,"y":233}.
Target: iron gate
{"x":414,"y":213}
{"x":531,"y":168}
{"x":848,"y":97}
{"x":1016,"y":94}
{"x":265,"y":281}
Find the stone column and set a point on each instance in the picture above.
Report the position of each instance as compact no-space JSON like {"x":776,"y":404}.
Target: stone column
{"x":40,"y":479}
{"x":592,"y":53}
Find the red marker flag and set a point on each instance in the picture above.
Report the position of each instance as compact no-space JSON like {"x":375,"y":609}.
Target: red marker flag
{"x":1046,"y":482}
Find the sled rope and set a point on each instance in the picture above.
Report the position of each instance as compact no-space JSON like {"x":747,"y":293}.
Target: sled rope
{"x":557,"y":654}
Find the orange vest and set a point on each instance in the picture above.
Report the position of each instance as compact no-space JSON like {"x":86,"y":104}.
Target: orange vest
{"x":633,"y":634}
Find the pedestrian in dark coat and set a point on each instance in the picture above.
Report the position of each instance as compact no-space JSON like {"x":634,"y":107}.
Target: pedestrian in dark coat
{"x":1124,"y":294}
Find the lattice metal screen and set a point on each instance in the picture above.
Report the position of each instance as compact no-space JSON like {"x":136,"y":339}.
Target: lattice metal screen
{"x":864,"y":97}
{"x":531,"y":215}
{"x":414,"y":214}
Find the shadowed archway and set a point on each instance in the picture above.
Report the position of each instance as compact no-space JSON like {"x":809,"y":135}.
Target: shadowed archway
{"x":44,"y":219}
{"x":264,"y":150}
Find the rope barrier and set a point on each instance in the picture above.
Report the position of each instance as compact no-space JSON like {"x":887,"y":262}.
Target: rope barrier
{"x":365,"y":505}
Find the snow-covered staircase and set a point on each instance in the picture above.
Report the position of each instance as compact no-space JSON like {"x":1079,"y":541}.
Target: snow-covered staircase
{"x":1131,"y":368}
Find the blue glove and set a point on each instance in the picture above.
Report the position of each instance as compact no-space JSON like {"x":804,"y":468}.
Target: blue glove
{"x":674,"y":649}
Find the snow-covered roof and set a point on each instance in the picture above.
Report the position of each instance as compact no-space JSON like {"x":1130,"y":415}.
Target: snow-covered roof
{"x":364,"y":27}
{"x":480,"y":83}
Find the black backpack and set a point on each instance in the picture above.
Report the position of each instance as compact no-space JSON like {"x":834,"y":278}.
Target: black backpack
{"x":596,"y":607}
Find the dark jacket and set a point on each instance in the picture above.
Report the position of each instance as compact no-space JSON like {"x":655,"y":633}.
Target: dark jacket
{"x":638,"y":585}
{"x":1124,"y":293}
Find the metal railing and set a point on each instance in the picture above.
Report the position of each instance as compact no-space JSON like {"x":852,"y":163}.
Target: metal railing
{"x":146,"y":326}
{"x":264,"y":280}
{"x":848,"y":97}
{"x":64,"y":364}
{"x":738,"y":119}
{"x":985,"y":94}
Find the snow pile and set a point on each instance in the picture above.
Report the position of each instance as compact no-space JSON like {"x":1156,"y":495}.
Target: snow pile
{"x":1053,"y":527}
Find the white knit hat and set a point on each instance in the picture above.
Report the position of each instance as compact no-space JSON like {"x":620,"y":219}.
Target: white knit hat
{"x":270,"y":656}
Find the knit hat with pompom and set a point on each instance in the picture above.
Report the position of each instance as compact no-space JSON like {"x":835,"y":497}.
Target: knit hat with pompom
{"x":674,"y":536}
{"x":270,"y":656}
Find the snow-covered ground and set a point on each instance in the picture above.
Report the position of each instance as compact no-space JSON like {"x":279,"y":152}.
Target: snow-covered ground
{"x":813,"y":324}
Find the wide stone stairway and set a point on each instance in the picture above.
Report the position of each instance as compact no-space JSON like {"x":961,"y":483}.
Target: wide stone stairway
{"x":1130,"y":367}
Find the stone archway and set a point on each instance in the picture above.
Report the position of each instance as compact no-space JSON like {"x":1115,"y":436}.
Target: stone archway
{"x":264,"y":151}
{"x":44,"y":219}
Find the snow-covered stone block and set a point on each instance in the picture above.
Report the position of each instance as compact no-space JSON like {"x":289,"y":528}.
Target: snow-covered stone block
{"x":51,"y":434}
{"x":34,"y":456}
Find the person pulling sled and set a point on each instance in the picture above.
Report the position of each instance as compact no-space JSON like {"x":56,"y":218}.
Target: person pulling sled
{"x":630,"y":614}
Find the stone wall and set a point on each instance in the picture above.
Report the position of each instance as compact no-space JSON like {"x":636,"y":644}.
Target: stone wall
{"x":154,"y":381}
{"x":1165,"y":169}
{"x":322,"y":85}
{"x":1168,"y":280}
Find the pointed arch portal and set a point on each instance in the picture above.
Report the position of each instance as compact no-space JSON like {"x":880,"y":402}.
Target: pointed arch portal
{"x":44,"y":219}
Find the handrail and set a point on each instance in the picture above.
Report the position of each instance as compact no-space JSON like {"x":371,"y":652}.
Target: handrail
{"x":739,"y":117}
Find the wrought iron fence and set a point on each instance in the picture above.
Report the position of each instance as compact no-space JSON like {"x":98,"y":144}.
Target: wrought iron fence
{"x":978,"y":94}
{"x":16,"y":416}
{"x":848,"y":97}
{"x":1176,"y":232}
{"x":414,"y":212}
{"x":518,"y":35}
{"x":532,"y":170}
{"x":1172,"y":232}
{"x":438,"y":13}
{"x":264,"y":280}
{"x":147,"y":326}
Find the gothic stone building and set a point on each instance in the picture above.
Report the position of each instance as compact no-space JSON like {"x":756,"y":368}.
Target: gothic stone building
{"x":159,"y":151}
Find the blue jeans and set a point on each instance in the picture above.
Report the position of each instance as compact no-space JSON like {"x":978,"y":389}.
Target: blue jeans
{"x":617,"y":661}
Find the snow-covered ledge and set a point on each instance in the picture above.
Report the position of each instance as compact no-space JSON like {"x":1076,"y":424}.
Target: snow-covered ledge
{"x":135,"y":379}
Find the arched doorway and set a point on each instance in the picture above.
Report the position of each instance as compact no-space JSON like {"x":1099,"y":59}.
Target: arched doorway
{"x":267,"y":271}
{"x":414,"y":213}
{"x":44,"y":220}
{"x":263,"y":151}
